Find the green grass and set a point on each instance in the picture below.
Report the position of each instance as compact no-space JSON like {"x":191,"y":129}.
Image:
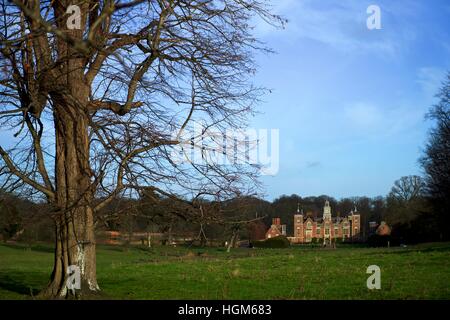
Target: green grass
{"x":416,"y":272}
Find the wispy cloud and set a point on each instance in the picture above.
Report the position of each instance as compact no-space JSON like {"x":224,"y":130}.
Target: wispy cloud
{"x":342,"y":24}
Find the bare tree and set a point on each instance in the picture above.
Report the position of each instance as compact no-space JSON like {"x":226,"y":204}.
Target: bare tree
{"x":436,"y":159}
{"x":408,"y":188}
{"x":406,"y":200}
{"x":99,"y":109}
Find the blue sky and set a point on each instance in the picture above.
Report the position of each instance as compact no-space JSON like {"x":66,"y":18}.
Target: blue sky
{"x":350,"y":102}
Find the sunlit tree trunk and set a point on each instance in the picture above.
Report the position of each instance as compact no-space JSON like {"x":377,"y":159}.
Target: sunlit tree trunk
{"x":74,"y":225}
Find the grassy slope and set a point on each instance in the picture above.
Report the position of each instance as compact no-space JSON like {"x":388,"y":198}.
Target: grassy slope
{"x":420,"y":272}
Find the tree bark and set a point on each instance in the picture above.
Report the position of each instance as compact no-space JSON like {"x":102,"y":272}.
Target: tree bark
{"x":233,"y":239}
{"x":74,"y":222}
{"x":74,"y":192}
{"x":75,"y":246}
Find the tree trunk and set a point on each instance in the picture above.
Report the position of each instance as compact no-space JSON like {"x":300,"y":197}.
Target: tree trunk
{"x":233,"y":239}
{"x":170,"y":234}
{"x":75,"y":246}
{"x":74,"y":224}
{"x":74,"y":221}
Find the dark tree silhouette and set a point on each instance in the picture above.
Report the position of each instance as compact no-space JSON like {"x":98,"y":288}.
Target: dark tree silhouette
{"x":436,"y":159}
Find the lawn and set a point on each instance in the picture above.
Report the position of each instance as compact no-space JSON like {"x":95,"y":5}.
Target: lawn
{"x":415,"y":272}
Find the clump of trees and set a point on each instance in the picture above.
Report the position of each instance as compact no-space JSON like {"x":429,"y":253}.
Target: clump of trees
{"x":11,"y":222}
{"x":22,"y":220}
{"x":436,"y":160}
{"x":408,"y":212}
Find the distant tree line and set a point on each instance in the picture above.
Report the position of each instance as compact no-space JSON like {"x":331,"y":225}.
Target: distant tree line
{"x":408,"y":209}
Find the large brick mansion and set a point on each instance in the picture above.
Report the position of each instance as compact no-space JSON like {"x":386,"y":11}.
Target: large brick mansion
{"x":326,"y":229}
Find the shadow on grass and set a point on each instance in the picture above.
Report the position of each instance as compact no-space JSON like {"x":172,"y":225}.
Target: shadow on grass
{"x":19,"y":282}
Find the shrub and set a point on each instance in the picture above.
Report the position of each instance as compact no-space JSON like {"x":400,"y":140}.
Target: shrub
{"x":378,"y":241}
{"x":277,"y":242}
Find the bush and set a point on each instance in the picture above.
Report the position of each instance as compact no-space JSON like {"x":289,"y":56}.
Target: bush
{"x":277,"y":242}
{"x":38,"y":231}
{"x":379,"y":241}
{"x":424,"y":228}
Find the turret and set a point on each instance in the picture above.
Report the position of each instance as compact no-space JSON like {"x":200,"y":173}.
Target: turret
{"x":327,"y":211}
{"x":298,"y":224}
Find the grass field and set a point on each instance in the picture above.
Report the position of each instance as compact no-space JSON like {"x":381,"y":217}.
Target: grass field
{"x":416,"y":272}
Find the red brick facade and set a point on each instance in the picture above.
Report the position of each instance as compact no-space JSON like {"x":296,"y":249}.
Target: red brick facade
{"x":276,"y":229}
{"x":326,"y":229}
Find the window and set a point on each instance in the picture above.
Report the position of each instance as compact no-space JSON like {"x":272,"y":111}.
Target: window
{"x":308,"y":236}
{"x":318,"y":230}
{"x":327,"y":231}
{"x":308,"y":225}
